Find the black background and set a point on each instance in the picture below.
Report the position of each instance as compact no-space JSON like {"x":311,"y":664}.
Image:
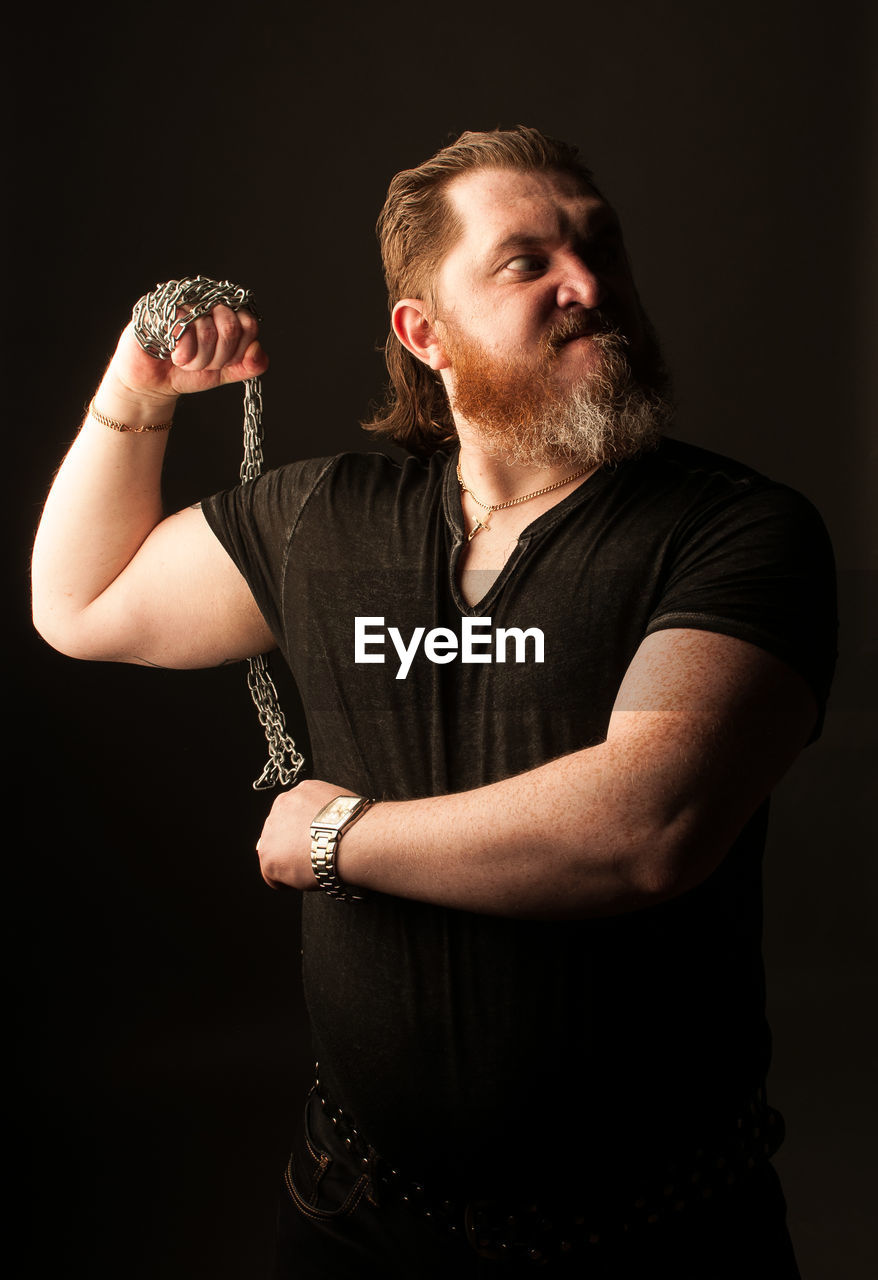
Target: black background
{"x":159,"y":1029}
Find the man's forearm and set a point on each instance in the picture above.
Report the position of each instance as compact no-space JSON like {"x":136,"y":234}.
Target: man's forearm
{"x":568,"y":838}
{"x":105,"y":501}
{"x":703,"y":727}
{"x":600,"y":831}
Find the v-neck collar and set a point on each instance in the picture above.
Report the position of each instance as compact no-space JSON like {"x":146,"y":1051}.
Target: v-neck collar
{"x":453,"y":511}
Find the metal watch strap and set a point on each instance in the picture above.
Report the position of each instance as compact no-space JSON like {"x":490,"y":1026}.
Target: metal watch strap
{"x":324,"y":847}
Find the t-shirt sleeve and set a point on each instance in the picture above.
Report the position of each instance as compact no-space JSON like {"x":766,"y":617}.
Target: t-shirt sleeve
{"x":256,"y":521}
{"x":758,"y":565}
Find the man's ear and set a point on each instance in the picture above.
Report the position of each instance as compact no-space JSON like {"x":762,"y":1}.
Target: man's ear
{"x":417,"y":333}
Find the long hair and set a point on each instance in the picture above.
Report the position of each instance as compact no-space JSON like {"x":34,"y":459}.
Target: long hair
{"x":416,"y":229}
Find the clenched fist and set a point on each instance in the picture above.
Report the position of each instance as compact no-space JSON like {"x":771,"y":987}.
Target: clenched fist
{"x":284,"y":847}
{"x":216,"y":349}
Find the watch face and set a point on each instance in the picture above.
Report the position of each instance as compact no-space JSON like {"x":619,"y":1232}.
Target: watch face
{"x":335,"y":813}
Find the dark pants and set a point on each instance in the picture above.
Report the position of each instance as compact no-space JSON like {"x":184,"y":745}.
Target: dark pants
{"x":330,"y":1228}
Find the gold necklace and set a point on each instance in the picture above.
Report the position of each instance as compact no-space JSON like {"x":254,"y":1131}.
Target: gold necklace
{"x":491,"y":507}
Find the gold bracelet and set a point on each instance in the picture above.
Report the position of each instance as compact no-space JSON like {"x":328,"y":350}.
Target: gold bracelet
{"x":121,"y":426}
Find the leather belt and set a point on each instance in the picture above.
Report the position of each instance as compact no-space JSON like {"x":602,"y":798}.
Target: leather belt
{"x":540,"y":1233}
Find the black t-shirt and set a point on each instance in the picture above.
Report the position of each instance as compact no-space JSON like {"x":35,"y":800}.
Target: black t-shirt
{"x":465,"y":1044}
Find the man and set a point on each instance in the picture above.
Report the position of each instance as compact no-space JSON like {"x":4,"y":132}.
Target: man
{"x":554,"y":664}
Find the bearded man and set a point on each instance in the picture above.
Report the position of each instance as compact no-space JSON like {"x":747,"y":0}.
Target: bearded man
{"x":553,"y":664}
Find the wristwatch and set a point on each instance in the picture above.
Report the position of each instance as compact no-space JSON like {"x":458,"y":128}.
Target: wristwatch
{"x":327,"y":830}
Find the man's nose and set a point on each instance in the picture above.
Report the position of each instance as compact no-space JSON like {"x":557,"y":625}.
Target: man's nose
{"x":579,"y":284}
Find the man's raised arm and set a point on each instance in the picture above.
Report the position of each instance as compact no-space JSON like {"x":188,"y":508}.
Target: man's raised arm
{"x":113,"y":579}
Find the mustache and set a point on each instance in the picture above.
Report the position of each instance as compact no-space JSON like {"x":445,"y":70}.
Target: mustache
{"x":583,"y":324}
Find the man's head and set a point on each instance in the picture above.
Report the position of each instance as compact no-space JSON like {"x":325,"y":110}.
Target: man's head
{"x":512,"y":304}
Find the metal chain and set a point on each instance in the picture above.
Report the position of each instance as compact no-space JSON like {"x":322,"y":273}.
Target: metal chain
{"x":158,"y":327}
{"x":280,"y":745}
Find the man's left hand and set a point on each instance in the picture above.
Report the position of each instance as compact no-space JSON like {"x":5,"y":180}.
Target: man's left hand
{"x":284,"y":847}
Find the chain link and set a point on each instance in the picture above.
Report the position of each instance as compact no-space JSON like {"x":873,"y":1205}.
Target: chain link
{"x":251,"y":463}
{"x":158,"y":327}
{"x":280,"y":745}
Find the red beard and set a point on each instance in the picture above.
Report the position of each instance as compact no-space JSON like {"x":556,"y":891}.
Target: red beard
{"x":523,"y":413}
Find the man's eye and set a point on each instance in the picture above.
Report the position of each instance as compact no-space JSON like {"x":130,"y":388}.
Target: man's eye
{"x":605,"y":254}
{"x":525,"y":262}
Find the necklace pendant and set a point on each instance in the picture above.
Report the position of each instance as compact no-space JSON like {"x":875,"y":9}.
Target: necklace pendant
{"x":478,"y":525}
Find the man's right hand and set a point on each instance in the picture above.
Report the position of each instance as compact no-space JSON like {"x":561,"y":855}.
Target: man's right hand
{"x":216,"y":349}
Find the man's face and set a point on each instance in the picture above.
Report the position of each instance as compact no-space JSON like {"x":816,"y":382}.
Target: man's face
{"x":538,"y":314}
